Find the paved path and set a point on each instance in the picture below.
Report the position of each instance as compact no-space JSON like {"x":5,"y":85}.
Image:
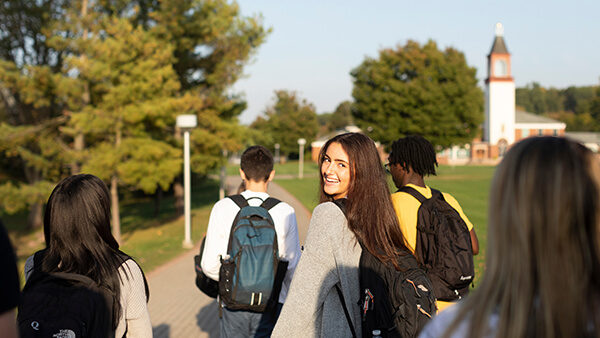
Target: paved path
{"x":177,"y":307}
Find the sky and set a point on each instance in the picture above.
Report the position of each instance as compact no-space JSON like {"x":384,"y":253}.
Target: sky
{"x":315,"y":45}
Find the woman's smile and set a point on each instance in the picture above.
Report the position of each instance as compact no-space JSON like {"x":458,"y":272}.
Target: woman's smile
{"x":335,"y":170}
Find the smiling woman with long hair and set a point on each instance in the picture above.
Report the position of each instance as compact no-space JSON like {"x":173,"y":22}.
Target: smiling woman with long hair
{"x":79,"y":240}
{"x":351,"y":171}
{"x":542,"y":275}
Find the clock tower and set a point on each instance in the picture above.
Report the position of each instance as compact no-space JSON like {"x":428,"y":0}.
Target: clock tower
{"x":499,"y":124}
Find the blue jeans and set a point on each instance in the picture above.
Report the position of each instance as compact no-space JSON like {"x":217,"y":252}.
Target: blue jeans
{"x":237,"y":323}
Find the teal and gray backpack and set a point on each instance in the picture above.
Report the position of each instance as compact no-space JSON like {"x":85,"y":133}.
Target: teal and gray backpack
{"x":251,"y":274}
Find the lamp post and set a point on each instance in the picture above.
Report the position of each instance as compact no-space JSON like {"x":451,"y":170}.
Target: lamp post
{"x":277,"y":160}
{"x":186,"y":123}
{"x":301,"y":143}
{"x":223,"y":176}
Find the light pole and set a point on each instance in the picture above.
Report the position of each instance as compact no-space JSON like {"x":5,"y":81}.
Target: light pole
{"x":301,"y":143}
{"x":277,"y":160}
{"x":186,"y":123}
{"x":223,"y":176}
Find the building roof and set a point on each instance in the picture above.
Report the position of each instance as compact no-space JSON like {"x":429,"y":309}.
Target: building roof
{"x":525,"y":117}
{"x":584,"y":136}
{"x":347,"y":129}
{"x":499,"y":46}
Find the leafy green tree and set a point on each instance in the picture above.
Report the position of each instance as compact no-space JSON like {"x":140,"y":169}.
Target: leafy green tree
{"x":416,"y":89}
{"x":341,"y":117}
{"x":522,"y":99}
{"x":538,"y":100}
{"x":576,"y":122}
{"x":32,"y":96}
{"x":287,"y":120}
{"x":113,"y":77}
{"x":577,"y":99}
{"x":554,"y":100}
{"x":595,"y":107}
{"x":576,"y":106}
{"x":133,"y":101}
{"x":323,"y":121}
{"x":211,"y":43}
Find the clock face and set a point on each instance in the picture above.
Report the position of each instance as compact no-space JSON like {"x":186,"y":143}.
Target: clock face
{"x":500,"y":68}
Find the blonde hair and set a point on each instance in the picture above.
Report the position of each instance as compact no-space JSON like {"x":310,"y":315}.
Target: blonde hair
{"x":542,"y":266}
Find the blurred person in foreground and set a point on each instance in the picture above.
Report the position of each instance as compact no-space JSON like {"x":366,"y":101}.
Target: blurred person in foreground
{"x":10,"y":293}
{"x":542,"y":275}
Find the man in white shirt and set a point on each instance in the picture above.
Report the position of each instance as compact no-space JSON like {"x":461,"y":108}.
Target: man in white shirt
{"x":256,"y":172}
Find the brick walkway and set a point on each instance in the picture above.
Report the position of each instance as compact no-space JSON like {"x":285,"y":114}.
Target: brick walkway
{"x":177,"y":307}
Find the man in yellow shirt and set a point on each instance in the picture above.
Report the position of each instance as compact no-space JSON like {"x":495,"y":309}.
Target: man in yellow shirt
{"x":410,"y":159}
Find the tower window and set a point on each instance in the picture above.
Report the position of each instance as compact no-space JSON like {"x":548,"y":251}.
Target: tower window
{"x":500,"y":68}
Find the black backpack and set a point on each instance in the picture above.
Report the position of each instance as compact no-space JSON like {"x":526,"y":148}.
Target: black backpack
{"x":207,"y":285}
{"x":395,"y":303}
{"x":251,"y":275}
{"x":443,"y":246}
{"x":64,"y":305}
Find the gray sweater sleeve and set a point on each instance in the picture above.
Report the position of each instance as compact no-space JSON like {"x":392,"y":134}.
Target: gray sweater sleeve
{"x":330,"y":256}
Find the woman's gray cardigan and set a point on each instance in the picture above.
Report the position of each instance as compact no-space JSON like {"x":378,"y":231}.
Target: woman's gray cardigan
{"x":331,"y":255}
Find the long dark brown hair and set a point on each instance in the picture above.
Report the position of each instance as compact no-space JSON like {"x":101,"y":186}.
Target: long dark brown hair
{"x":78,"y":235}
{"x":369,"y":208}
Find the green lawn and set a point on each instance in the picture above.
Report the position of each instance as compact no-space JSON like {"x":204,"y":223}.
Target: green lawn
{"x":468,"y":184}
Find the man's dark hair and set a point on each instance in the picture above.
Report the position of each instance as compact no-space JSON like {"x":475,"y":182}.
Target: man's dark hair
{"x":257,"y":163}
{"x":416,"y":152}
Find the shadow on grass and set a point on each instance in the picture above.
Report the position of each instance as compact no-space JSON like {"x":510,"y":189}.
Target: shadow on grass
{"x":139,"y":213}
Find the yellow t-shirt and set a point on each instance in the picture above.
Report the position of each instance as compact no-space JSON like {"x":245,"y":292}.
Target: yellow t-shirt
{"x":407,"y":208}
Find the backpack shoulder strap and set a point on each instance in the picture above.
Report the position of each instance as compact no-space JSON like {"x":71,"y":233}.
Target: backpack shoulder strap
{"x":37,"y":259}
{"x":239,"y":200}
{"x":346,"y":312}
{"x":414,"y":193}
{"x":341,"y":203}
{"x":436,"y":193}
{"x":270,"y":203}
{"x":36,"y":272}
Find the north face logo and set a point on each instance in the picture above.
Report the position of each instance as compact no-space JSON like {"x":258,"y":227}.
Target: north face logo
{"x":65,"y":334}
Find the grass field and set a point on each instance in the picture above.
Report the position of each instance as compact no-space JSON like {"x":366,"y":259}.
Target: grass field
{"x":470,"y":185}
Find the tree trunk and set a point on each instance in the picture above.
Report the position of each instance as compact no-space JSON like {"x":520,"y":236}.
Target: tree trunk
{"x":78,"y":146}
{"x":157,"y":201}
{"x":35,"y":220}
{"x":114,"y":197}
{"x":114,"y":191}
{"x":79,"y":140}
{"x":178,"y":196}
